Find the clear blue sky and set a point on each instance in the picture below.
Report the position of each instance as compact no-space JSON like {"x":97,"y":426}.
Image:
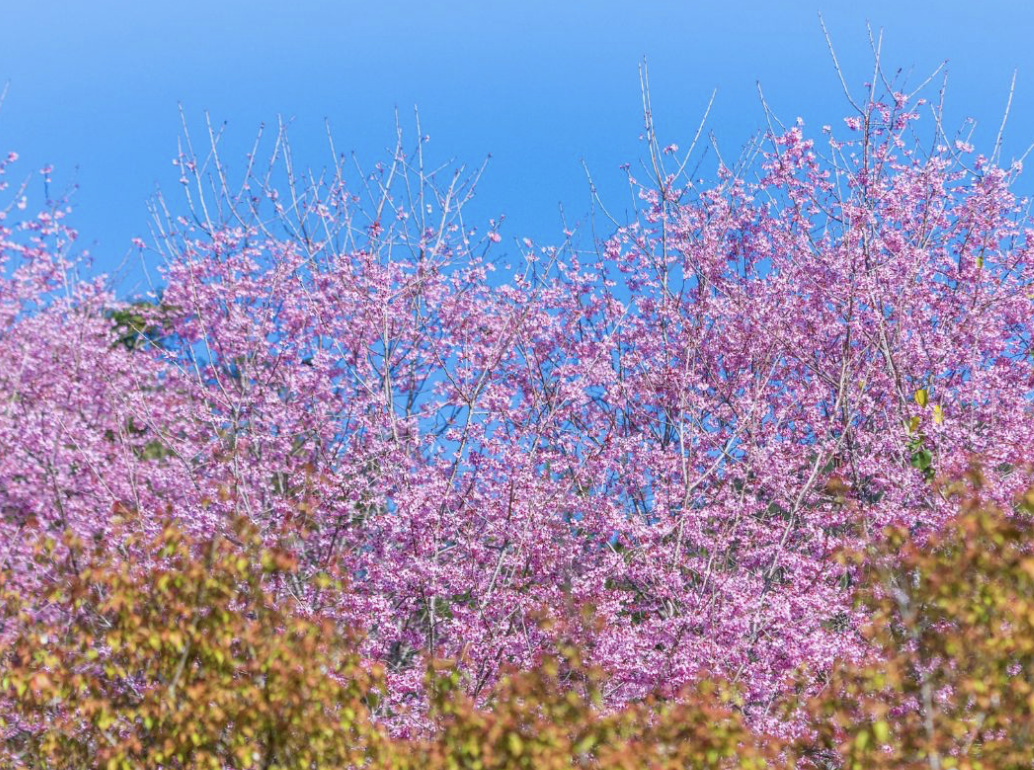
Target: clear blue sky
{"x":94,"y":86}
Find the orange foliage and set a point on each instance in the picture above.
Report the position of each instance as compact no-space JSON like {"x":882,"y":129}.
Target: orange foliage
{"x":173,"y":652}
{"x":161,"y":653}
{"x":950,"y":683}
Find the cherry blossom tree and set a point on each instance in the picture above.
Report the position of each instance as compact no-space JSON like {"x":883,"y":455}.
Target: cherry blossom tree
{"x":673,"y":426}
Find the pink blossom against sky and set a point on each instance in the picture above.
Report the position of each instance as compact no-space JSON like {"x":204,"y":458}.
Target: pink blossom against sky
{"x":540,"y":85}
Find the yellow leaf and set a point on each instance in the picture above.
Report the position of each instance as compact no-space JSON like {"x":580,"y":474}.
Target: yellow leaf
{"x":922,"y":397}
{"x":938,"y":414}
{"x":585,"y":744}
{"x":516,"y":745}
{"x":861,"y":740}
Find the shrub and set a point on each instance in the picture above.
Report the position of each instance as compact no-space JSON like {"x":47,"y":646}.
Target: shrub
{"x":949,"y":682}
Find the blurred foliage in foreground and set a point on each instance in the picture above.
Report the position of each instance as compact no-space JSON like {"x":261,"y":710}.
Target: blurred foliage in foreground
{"x":172,"y":650}
{"x":950,"y":679}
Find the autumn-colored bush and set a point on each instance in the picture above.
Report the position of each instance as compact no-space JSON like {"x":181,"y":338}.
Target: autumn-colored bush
{"x":174,"y":652}
{"x":949,"y":682}
{"x":163,"y":651}
{"x":553,"y":717}
{"x":177,"y":651}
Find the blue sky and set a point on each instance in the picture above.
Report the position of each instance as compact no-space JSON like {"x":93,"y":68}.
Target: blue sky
{"x":541,"y":86}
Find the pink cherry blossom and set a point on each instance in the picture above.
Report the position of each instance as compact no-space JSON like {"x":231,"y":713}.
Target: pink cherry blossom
{"x":674,"y":426}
